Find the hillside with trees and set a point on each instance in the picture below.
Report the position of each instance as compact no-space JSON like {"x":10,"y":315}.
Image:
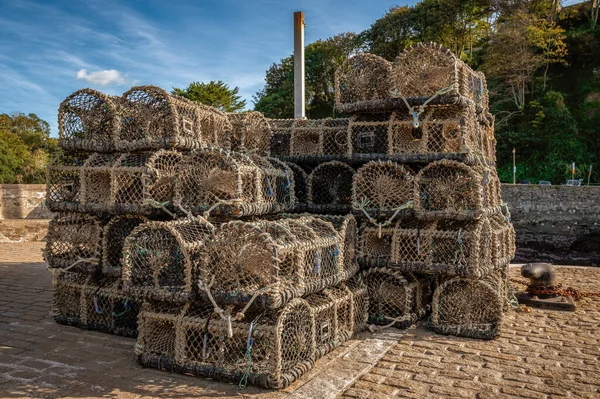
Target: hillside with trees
{"x":542,"y":63}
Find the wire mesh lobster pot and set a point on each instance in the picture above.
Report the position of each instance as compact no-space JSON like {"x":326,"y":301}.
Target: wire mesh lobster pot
{"x":318,"y":139}
{"x":251,"y":132}
{"x":67,"y":290}
{"x":152,"y":119}
{"x":447,"y":247}
{"x":113,"y":238}
{"x":270,"y":262}
{"x":503,"y":240}
{"x":382,"y":190}
{"x":300,"y":185}
{"x":281,"y":133}
{"x":368,"y":135}
{"x":425,"y":71}
{"x":330,"y":188}
{"x":63,"y":183}
{"x":232,"y":184}
{"x":361,"y":82}
{"x":374,"y":245}
{"x":143,"y":183}
{"x":468,"y":307}
{"x":394,"y":298}
{"x":87,"y":121}
{"x":160,"y":258}
{"x":454,"y":190}
{"x":96,"y":182}
{"x":74,"y":242}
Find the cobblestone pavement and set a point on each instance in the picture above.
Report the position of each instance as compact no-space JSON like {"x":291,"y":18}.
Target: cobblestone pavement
{"x":539,"y":355}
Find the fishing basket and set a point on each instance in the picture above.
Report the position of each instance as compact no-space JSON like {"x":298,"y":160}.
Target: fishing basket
{"x":251,"y":132}
{"x":374,"y":245}
{"x":113,"y":238}
{"x":281,"y":133}
{"x":300,"y":185}
{"x":87,"y":121}
{"x":330,"y":188}
{"x":152,"y":119}
{"x":63,"y":183}
{"x":160,"y":258}
{"x":318,"y":139}
{"x":395,"y":299}
{"x":232,"y":184}
{"x":503,"y":240}
{"x":74,"y":243}
{"x":447,"y":247}
{"x":96,"y":182}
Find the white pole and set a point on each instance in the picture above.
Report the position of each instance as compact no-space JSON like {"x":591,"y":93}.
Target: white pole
{"x":299,"y":71}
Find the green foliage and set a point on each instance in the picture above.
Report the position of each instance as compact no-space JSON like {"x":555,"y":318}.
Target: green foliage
{"x":216,"y":94}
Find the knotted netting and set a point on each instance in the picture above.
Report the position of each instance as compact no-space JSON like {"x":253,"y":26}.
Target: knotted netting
{"x":160,"y":258}
{"x":63,"y":183}
{"x":468,"y":307}
{"x":368,"y":134}
{"x":251,"y":132}
{"x":330,"y":187}
{"x":74,"y":243}
{"x":335,"y":136}
{"x":360,"y":81}
{"x":395,"y":299}
{"x":306,"y":137}
{"x":318,"y":139}
{"x":87,"y":121}
{"x":382,"y":191}
{"x":447,"y":247}
{"x":281,"y":130}
{"x":96,"y":182}
{"x":67,"y":290}
{"x":454,"y":190}
{"x":374,"y":245}
{"x":269,"y":262}
{"x":113,"y":238}
{"x":269,"y":348}
{"x":233,"y":184}
{"x":503,"y":240}
{"x":300,"y":185}
{"x":153,"y":119}
{"x":143,"y":183}
{"x":426,"y":71}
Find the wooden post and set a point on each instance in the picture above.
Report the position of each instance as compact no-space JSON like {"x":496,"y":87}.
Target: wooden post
{"x":299,"y":71}
{"x":514,"y":167}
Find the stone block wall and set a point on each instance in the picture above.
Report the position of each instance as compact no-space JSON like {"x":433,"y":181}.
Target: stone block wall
{"x":23,"y":201}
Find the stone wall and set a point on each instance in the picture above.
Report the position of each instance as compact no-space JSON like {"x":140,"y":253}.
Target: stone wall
{"x":23,"y":201}
{"x":558,"y":224}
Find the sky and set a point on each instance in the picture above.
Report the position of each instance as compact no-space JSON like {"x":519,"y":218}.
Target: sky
{"x":49,"y":49}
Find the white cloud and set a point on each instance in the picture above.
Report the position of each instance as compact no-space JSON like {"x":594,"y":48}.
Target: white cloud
{"x":102,"y":78}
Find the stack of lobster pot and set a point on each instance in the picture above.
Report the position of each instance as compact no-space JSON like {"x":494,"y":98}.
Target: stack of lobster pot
{"x":415,"y":162}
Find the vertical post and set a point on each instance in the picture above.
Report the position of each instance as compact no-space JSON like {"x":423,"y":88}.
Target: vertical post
{"x":514,"y":167}
{"x":589,"y":174}
{"x":299,"y":91}
{"x":573,"y":171}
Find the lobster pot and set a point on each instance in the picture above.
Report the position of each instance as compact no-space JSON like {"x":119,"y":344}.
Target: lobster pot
{"x":153,"y":119}
{"x":105,"y":308}
{"x":281,"y":130}
{"x":368,"y":135}
{"x":74,"y":242}
{"x":468,"y":307}
{"x":251,"y":132}
{"x":395,"y":298}
{"x":428,"y":70}
{"x":375,"y":245}
{"x":486,"y":129}
{"x":159,"y":258}
{"x":503,"y":241}
{"x":272,"y":262}
{"x":335,"y":136}
{"x":87,"y":121}
{"x":113,"y":238}
{"x":448,"y":247}
{"x":330,"y":187}
{"x":360,"y":304}
{"x":67,"y":295}
{"x":318,"y":139}
{"x":232,"y":184}
{"x":96,"y":182}
{"x":382,"y":190}
{"x":143,"y":183}
{"x":63,"y":183}
{"x":362,"y":82}
{"x":300,"y":185}
{"x":453,"y":190}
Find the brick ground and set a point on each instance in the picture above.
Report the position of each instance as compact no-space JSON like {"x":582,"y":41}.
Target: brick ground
{"x":544,"y":354}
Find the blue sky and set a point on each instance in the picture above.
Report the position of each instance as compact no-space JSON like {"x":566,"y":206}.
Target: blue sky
{"x":48,"y":49}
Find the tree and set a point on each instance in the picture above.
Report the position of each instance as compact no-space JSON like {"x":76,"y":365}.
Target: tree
{"x":216,"y":94}
{"x":392,"y":33}
{"x":549,"y":40}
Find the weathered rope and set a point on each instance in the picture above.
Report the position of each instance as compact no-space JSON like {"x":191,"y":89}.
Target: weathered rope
{"x":416,"y":113}
{"x":158,"y":205}
{"x":365,"y":203}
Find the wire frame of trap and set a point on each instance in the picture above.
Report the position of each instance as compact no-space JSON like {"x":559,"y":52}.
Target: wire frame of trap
{"x":300,"y":185}
{"x":152,"y":119}
{"x":395,"y":299}
{"x":63,"y":183}
{"x":160,"y":258}
{"x":503,"y":240}
{"x":74,"y":242}
{"x":113,"y":239}
{"x":251,"y":132}
{"x":87,"y":121}
{"x":233,"y":184}
{"x":330,"y":188}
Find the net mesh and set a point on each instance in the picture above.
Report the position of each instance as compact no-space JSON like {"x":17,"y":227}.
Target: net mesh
{"x":63,"y":183}
{"x":251,"y":132}
{"x":74,"y":242}
{"x":281,"y":130}
{"x":330,"y":187}
{"x":87,"y":120}
{"x":503,"y":241}
{"x":375,"y":245}
{"x":113,"y":238}
{"x":160,"y":258}
{"x":152,"y":119}
{"x":468,"y":307}
{"x":96,"y":182}
{"x":233,"y":184}
{"x":300,"y":185}
{"x":394,"y":298}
